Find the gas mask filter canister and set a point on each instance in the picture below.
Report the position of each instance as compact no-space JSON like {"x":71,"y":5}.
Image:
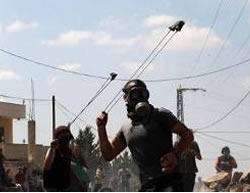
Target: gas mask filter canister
{"x":138,"y":97}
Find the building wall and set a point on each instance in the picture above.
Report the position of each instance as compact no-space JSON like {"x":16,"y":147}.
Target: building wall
{"x":13,"y":111}
{"x":7,"y":124}
{"x":14,"y":152}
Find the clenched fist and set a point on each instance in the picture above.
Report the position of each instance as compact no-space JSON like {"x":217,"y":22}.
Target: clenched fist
{"x":101,"y":120}
{"x":168,"y":162}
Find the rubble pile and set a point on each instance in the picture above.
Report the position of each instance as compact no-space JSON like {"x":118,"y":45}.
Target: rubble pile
{"x":227,"y":182}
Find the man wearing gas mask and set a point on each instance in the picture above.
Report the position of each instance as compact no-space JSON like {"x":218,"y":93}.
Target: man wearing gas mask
{"x":57,"y":161}
{"x":148,"y":134}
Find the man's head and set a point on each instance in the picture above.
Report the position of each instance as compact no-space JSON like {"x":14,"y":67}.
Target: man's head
{"x":225,"y":151}
{"x":63,"y":134}
{"x":133,"y":83}
{"x":136,"y":96}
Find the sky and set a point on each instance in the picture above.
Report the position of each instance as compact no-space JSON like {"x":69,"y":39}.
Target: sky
{"x":100,"y":37}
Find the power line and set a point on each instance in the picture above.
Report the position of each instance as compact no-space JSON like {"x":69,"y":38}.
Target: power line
{"x":66,"y":115}
{"x":200,"y":75}
{"x":229,"y":34}
{"x":49,"y":66}
{"x":224,"y":140}
{"x":219,"y":148}
{"x":211,"y":143}
{"x":226,"y":115}
{"x":244,"y":43}
{"x":207,"y":36}
{"x":228,"y":132}
{"x":212,"y":159}
{"x":70,"y":112}
{"x":124,"y":79}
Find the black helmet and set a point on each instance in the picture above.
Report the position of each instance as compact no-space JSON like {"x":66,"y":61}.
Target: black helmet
{"x":225,"y":150}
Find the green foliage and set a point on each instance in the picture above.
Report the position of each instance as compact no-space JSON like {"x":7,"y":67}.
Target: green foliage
{"x":89,"y":149}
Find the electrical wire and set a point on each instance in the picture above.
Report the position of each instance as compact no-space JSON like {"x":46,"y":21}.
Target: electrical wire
{"x":125,"y":80}
{"x":70,"y":112}
{"x":226,"y":115}
{"x":219,"y":148}
{"x":211,"y":143}
{"x":202,"y":74}
{"x":228,"y":132}
{"x":49,"y":66}
{"x":224,"y":140}
{"x":229,"y":34}
{"x":207,"y":36}
{"x":244,"y":43}
{"x":66,"y":115}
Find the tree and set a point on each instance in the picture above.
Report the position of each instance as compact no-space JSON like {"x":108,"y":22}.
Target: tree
{"x":89,"y":149}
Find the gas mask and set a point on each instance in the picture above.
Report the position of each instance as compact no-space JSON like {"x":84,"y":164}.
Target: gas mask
{"x":138,"y":102}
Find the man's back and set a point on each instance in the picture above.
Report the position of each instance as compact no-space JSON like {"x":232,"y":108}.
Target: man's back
{"x":58,"y":177}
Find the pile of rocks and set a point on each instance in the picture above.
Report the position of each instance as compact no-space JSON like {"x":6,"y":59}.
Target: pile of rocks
{"x":226,"y":182}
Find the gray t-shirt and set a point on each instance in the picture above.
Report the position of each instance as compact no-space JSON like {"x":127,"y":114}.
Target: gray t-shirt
{"x":149,"y":141}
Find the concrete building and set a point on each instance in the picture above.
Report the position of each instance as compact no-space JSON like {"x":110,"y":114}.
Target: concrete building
{"x":19,"y":154}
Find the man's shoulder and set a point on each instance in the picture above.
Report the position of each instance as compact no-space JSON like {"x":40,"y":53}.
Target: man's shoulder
{"x":127,"y":124}
{"x":164,"y":115}
{"x":163,"y":112}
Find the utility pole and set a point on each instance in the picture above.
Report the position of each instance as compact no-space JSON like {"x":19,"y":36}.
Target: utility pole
{"x":180,"y":109}
{"x":53,"y":116}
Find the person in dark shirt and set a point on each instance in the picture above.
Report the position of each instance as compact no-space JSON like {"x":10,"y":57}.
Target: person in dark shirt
{"x":148,"y":135}
{"x":57,"y":161}
{"x":187,"y":165}
{"x":20,"y":177}
{"x":226,"y":162}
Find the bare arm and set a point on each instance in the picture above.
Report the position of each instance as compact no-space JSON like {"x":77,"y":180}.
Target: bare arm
{"x":186,"y":136}
{"x":169,"y":160}
{"x":233,"y":162}
{"x":198,"y":156}
{"x":50,"y":155}
{"x":195,"y":150}
{"x":217,"y":163}
{"x":109,"y":149}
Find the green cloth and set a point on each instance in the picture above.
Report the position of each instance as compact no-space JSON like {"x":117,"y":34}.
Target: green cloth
{"x":80,"y":172}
